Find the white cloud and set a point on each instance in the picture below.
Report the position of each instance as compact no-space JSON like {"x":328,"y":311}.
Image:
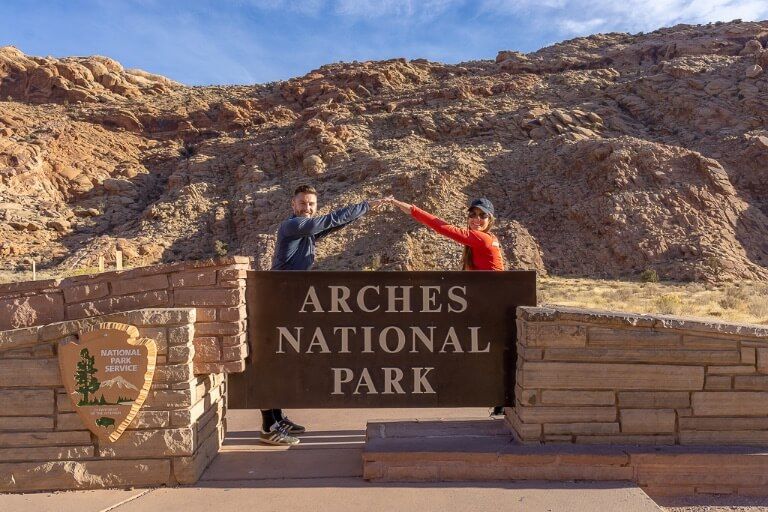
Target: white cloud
{"x":581,"y":17}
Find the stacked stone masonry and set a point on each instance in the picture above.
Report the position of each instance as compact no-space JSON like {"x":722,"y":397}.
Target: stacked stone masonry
{"x":596,"y":377}
{"x":215,"y":288}
{"x":44,"y":444}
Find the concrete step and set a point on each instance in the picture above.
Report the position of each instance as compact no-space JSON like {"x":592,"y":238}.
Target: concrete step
{"x":477,"y":450}
{"x":421,"y":429}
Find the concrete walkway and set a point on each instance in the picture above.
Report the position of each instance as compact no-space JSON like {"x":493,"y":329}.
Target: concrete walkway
{"x":324,"y":473}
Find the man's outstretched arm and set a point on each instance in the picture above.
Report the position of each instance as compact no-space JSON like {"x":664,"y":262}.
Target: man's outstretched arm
{"x":319,"y":226}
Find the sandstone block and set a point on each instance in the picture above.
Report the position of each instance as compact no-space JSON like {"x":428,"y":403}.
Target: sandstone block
{"x":545,"y":414}
{"x":729,"y":437}
{"x":228,"y":274}
{"x":92,"y":474}
{"x":723,"y":423}
{"x":656,"y":440}
{"x":554,"y":438}
{"x":197,"y":277}
{"x":762,"y":360}
{"x":43,"y":350}
{"x":373,"y":470}
{"x":524,"y":431}
{"x":654,"y":400}
{"x":181,"y":335}
{"x":581,"y":428}
{"x":226,"y":367}
{"x":187,"y":470}
{"x":751,"y":382}
{"x":22,"y":373}
{"x":709,"y":343}
{"x":173,"y":373}
{"x":26,"y":402}
{"x":120,"y":303}
{"x":26,"y":311}
{"x":547,"y":375}
{"x":231,"y":341}
{"x":234,"y":353}
{"x":88,"y":291}
{"x":632,"y":338}
{"x":63,"y":402}
{"x":207,"y":349}
{"x":555,"y":335}
{"x":19,"y":439}
{"x":647,"y":421}
{"x":139,"y":284}
{"x":46,"y":453}
{"x":207,"y":314}
{"x":25,"y":423}
{"x":209,"y":297}
{"x":157,"y":317}
{"x":748,"y":355}
{"x":69,"y":421}
{"x":180,"y":354}
{"x":151,"y":443}
{"x":18,"y":338}
{"x":730,"y":403}
{"x":613,"y":355}
{"x":232,"y":314}
{"x":526,"y":396}
{"x":220,"y":328}
{"x":552,"y":397}
{"x":731,"y":370}
{"x":169,"y":399}
{"x":530,"y":354}
{"x":717,"y":382}
{"x":158,"y":334}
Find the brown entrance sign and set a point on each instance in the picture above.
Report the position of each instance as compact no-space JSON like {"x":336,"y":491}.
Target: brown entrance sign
{"x":381,"y":339}
{"x":107,"y":374}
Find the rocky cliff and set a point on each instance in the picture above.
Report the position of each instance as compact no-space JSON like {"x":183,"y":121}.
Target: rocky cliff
{"x":605,"y":156}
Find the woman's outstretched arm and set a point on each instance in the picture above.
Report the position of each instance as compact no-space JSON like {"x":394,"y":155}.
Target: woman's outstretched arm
{"x":461,"y":235}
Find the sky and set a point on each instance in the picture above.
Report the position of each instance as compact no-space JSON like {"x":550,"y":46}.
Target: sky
{"x":203,"y":42}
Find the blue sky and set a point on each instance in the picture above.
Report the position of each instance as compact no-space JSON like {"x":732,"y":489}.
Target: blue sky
{"x":199,"y":42}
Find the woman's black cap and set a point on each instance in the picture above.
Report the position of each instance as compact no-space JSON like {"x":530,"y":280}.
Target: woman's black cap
{"x":482,"y":203}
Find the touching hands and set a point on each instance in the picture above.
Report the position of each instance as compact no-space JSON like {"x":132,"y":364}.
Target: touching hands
{"x":377,"y":204}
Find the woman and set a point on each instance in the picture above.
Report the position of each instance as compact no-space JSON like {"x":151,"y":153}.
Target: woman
{"x":482,"y":250}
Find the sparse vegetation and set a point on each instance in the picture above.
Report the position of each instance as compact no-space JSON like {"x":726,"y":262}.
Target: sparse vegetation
{"x":220,"y":248}
{"x":732,"y":302}
{"x":649,"y":276}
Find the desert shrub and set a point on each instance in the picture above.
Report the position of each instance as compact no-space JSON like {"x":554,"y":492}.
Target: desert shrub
{"x":220,"y":248}
{"x":758,"y":307}
{"x":668,"y":304}
{"x":649,"y":276}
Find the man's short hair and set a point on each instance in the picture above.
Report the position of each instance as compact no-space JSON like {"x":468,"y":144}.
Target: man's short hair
{"x":304,"y":189}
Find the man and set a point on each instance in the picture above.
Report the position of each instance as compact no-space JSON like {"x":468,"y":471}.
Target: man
{"x":295,"y":250}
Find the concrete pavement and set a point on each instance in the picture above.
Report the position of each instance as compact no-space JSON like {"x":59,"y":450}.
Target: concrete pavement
{"x":324,"y":474}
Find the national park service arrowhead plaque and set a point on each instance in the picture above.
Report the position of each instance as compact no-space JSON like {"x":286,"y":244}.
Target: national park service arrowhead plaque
{"x":107,"y":374}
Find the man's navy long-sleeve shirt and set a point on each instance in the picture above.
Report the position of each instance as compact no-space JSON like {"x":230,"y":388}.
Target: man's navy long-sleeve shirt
{"x":296,"y":237}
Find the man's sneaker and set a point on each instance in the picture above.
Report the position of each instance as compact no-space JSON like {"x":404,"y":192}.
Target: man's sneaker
{"x":278,"y":435}
{"x":497,"y":411}
{"x":293,"y":428}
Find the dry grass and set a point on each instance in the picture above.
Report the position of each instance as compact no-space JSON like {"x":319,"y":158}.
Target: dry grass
{"x":742,"y":302}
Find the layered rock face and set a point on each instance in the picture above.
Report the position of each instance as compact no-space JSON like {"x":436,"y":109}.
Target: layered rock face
{"x":605,"y":156}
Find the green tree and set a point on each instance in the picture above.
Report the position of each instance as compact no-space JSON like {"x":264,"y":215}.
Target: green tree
{"x":85,"y":376}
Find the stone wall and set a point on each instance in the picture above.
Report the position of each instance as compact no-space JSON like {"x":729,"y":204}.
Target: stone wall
{"x":216,"y":288}
{"x":44,"y":444}
{"x":612,"y":378}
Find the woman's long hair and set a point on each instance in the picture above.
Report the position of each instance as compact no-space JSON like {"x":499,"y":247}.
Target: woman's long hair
{"x":466,"y":258}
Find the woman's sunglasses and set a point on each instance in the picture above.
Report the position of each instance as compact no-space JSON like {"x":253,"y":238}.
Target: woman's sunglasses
{"x":475,"y":215}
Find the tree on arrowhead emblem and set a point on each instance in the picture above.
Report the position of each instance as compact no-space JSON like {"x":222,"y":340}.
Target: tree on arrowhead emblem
{"x":85,"y":378}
